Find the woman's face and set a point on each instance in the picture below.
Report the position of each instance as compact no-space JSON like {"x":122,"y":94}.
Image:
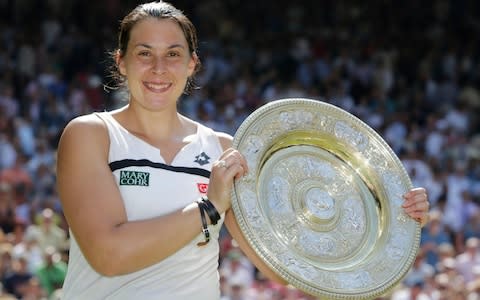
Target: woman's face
{"x":157,"y":63}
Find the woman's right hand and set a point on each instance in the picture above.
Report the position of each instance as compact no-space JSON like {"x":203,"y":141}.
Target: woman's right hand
{"x":230,"y":166}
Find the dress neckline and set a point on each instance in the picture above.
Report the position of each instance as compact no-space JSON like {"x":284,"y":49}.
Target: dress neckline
{"x":156,"y":149}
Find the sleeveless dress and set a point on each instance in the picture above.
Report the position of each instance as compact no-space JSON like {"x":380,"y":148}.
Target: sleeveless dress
{"x":151,"y":188}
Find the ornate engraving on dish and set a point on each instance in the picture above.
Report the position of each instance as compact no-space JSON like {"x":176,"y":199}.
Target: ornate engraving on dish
{"x":295,"y":119}
{"x":320,"y":224}
{"x":350,"y":135}
{"x":321,"y":203}
{"x":354,"y":280}
{"x":397,"y":244}
{"x":251,"y":209}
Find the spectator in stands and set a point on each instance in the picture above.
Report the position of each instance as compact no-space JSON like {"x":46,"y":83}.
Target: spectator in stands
{"x":454,"y":218}
{"x":7,"y":208}
{"x":43,"y":156}
{"x":261,"y":289}
{"x":52,"y":274}
{"x":237,"y":269}
{"x":237,"y":290}
{"x":472,"y":227}
{"x":468,"y":260}
{"x":33,"y":290}
{"x":410,"y":292}
{"x":8,"y":153}
{"x":433,"y":235}
{"x":445,"y":250}
{"x":29,"y":249}
{"x":17,"y":281}
{"x":419,"y":272}
{"x":473,"y":287}
{"x":17,"y":174}
{"x":47,"y":233}
{"x":6,"y":265}
{"x":23,"y":207}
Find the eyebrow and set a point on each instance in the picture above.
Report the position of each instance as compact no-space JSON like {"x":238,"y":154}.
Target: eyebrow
{"x":169,"y":47}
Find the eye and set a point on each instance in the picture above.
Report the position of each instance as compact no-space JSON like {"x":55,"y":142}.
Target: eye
{"x":144,"y":53}
{"x":173,"y":54}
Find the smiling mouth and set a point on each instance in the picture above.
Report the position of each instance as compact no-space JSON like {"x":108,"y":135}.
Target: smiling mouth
{"x":157,"y":87}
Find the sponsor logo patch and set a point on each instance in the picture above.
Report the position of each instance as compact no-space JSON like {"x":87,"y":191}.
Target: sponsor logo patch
{"x":134,"y":178}
{"x":202,"y":159}
{"x":202,"y":187}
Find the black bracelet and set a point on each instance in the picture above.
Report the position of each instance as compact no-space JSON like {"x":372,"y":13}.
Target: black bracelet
{"x":211,"y":211}
{"x":206,"y":233}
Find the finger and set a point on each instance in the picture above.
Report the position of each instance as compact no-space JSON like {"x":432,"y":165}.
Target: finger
{"x":415,"y":193}
{"x":420,"y":216}
{"x":414,"y":201}
{"x":417,"y":190}
{"x":235,"y":170}
{"x":244,"y":164}
{"x":226,"y":153}
{"x":223,"y":161}
{"x":416,"y":215}
{"x":221,"y":164}
{"x":421,"y":207}
{"x":241,"y":173}
{"x":411,"y":198}
{"x":423,"y":220}
{"x":236,"y":158}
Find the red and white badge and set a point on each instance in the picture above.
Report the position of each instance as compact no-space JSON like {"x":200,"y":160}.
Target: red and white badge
{"x":202,"y":187}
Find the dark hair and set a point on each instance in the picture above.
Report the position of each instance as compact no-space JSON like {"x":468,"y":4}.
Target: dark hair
{"x":159,"y":10}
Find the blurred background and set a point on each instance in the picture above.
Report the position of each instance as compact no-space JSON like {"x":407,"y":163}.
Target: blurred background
{"x":410,"y":69}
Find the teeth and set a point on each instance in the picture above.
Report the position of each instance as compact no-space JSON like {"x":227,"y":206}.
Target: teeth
{"x":157,"y":86}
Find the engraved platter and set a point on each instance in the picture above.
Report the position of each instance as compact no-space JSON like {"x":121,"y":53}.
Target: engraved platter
{"x":321,"y":203}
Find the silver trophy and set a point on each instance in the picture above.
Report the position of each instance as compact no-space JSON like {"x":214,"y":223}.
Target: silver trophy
{"x":321,"y":204}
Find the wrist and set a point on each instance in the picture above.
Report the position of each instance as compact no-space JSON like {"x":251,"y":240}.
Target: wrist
{"x":211,"y":210}
{"x":424,"y":220}
{"x":221,"y":207}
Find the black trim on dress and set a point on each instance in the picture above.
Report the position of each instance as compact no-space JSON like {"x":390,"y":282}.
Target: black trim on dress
{"x":124,"y":163}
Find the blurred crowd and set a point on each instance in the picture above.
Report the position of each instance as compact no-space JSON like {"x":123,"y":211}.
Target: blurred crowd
{"x":409,"y":69}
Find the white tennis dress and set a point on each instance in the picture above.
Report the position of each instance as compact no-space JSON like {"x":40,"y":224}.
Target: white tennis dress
{"x":150,"y":188}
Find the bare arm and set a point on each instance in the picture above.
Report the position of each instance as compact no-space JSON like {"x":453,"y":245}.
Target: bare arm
{"x":234,"y":229}
{"x":94,"y":209}
{"x":237,"y":235}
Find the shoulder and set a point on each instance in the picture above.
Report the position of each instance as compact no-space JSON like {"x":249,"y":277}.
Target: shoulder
{"x":85,"y":122}
{"x":84,"y":131}
{"x":225,"y":139}
{"x":90,"y":124}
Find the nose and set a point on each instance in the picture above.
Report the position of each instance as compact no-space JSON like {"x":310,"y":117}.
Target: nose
{"x":158,"y":66}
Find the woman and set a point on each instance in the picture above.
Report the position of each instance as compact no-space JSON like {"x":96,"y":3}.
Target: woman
{"x":129,"y":180}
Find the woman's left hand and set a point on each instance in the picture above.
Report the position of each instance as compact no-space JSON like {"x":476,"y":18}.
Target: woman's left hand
{"x":416,"y":205}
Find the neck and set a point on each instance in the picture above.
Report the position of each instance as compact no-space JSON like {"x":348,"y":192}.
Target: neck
{"x":162,"y":125}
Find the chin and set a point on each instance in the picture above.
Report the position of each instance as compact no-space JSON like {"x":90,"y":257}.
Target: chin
{"x":160,"y":105}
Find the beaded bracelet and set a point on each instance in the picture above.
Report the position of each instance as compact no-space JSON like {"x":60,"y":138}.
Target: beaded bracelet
{"x":212,"y":212}
{"x":206,"y":233}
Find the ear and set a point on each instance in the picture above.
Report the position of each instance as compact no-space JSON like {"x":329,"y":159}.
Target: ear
{"x":192,"y":64}
{"x":120,"y":63}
